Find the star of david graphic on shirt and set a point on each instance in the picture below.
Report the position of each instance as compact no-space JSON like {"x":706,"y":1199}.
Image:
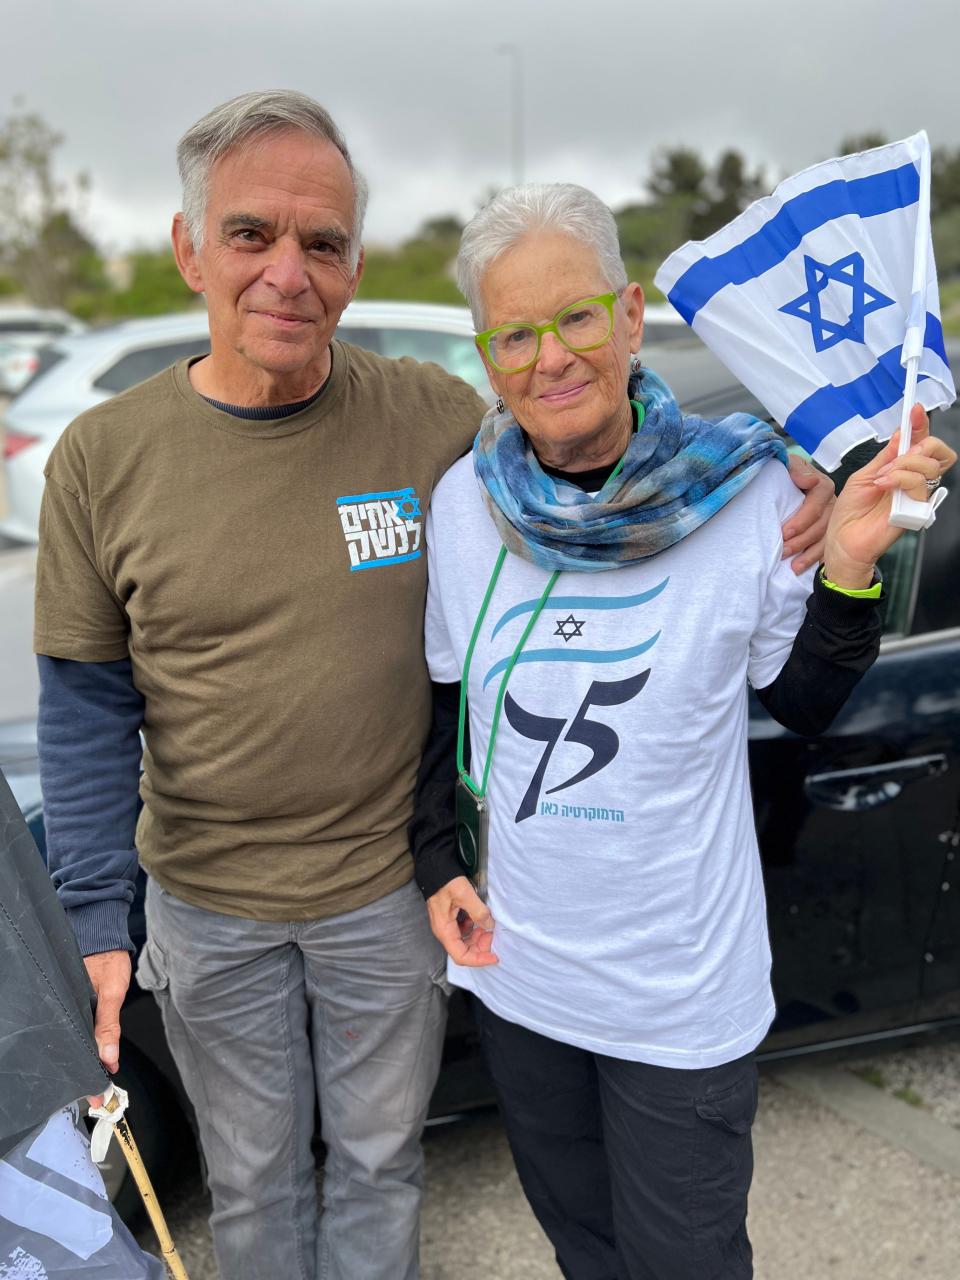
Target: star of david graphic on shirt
{"x":569,"y":627}
{"x":408,"y":507}
{"x":864,"y":299}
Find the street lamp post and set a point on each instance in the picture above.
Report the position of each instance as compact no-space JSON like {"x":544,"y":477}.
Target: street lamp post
{"x":515,"y":54}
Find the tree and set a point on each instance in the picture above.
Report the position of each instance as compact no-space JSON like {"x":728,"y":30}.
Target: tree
{"x":692,"y":199}
{"x":677,"y":174}
{"x":731,"y":187}
{"x":944,"y":181}
{"x":155,"y":287}
{"x":42,"y":247}
{"x":446,"y":226}
{"x":861,"y":142}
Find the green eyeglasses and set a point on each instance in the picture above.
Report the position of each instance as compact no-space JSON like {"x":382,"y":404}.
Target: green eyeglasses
{"x":583,"y":326}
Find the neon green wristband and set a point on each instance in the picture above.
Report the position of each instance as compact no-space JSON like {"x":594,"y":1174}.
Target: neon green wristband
{"x":872,"y":592}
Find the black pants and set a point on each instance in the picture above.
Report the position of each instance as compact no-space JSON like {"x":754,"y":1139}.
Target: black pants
{"x":634,"y":1172}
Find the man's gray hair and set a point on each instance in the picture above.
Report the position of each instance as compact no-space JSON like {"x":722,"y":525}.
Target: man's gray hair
{"x":537,"y":206}
{"x":256,"y":115}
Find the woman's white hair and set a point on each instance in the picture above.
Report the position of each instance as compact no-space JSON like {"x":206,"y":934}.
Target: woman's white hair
{"x":256,"y":115}
{"x":537,"y":206}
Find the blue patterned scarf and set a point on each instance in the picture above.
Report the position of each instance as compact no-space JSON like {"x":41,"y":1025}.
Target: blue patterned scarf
{"x":677,"y":472}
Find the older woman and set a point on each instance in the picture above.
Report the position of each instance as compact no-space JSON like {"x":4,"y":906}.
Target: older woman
{"x":605,"y":577}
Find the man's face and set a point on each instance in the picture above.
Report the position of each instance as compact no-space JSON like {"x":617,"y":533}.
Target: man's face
{"x":275,"y":263}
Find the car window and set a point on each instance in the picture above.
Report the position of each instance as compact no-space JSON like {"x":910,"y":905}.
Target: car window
{"x":660,"y":331}
{"x":52,"y":327}
{"x":899,"y":567}
{"x":938,"y":599}
{"x":135,"y":366}
{"x":919,"y":570}
{"x":455,"y":352}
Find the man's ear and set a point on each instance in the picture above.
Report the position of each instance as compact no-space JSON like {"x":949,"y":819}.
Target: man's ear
{"x":355,"y":282}
{"x":186,"y":255}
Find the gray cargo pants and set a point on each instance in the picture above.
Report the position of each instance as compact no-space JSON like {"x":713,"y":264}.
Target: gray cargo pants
{"x":264,"y":1018}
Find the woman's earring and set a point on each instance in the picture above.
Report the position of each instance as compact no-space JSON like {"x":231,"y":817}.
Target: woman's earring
{"x":636,"y":364}
{"x":500,"y":406}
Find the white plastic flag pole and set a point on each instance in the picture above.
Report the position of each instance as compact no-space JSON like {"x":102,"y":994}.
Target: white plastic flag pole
{"x":906,"y":512}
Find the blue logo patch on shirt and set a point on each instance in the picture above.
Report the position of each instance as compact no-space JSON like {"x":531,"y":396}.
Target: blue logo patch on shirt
{"x":381,"y":528}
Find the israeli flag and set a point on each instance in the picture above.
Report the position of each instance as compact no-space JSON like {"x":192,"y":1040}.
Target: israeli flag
{"x":817,"y":296}
{"x":56,"y":1222}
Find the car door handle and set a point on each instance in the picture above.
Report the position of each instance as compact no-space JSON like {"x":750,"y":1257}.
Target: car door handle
{"x":855,"y":790}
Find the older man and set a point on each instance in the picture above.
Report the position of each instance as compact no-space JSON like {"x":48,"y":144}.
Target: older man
{"x":198,"y":578}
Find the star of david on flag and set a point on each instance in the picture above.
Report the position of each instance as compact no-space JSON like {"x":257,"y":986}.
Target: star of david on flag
{"x":809,"y":305}
{"x":817,"y":295}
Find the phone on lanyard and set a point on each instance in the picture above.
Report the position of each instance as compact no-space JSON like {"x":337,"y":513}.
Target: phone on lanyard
{"x":472,"y":832}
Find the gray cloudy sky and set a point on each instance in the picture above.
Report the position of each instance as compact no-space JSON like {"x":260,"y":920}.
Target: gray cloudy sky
{"x":424,"y":97}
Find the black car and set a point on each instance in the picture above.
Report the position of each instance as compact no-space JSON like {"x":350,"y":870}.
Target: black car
{"x":859,"y":835}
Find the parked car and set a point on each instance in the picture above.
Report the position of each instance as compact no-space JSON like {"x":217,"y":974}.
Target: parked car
{"x":24,"y":332}
{"x":859,"y":834}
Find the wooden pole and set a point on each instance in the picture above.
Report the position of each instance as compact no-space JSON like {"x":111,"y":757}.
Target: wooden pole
{"x":168,"y":1250}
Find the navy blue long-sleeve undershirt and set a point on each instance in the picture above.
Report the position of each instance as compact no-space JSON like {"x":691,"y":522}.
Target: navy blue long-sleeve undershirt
{"x":88,"y":734}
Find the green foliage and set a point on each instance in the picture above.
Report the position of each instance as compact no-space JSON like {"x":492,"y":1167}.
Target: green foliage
{"x":648,"y":231}
{"x":945,"y":228}
{"x":42,"y":247}
{"x":419,"y":271}
{"x":909,"y":1095}
{"x":872,"y":1075}
{"x":950,"y":304}
{"x":861,"y":142}
{"x":944,"y":181}
{"x":155,"y":288}
{"x":445,"y":227}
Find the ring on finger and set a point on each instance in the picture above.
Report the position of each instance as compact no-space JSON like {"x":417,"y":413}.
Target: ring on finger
{"x":932,"y":485}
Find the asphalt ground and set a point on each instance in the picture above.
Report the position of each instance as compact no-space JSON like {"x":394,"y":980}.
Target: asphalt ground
{"x":852,"y":1182}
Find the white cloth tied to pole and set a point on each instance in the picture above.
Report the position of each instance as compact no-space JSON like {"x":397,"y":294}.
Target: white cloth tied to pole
{"x":822,"y":298}
{"x":107,"y":1119}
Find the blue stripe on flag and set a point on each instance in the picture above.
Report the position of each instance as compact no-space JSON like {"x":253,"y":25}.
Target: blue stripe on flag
{"x":831,"y":406}
{"x":766,"y":248}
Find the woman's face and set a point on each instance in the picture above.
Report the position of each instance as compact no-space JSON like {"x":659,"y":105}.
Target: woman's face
{"x":570,"y":404}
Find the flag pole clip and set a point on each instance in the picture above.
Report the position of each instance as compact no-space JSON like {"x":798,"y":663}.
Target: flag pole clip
{"x":907,"y":512}
{"x":108,"y":1115}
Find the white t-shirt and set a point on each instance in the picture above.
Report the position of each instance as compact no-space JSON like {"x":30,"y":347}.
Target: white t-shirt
{"x":624,"y":873}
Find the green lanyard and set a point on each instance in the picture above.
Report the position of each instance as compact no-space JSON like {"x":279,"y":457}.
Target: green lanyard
{"x":481,"y":790}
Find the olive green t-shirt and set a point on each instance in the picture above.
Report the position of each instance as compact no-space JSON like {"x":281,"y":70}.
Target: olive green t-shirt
{"x":267,"y":580}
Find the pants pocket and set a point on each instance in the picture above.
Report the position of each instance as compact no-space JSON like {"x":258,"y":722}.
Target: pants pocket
{"x":733,"y":1110}
{"x":439,"y":978}
{"x":151,"y":971}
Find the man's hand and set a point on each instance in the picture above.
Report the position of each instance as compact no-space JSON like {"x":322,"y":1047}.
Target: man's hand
{"x":805,"y":531}
{"x":462,"y":923}
{"x":109,"y":973}
{"x":860,"y":531}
